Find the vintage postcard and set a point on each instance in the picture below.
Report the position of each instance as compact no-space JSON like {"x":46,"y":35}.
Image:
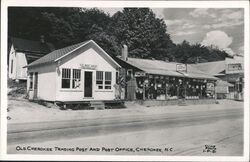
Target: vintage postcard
{"x":125,"y":80}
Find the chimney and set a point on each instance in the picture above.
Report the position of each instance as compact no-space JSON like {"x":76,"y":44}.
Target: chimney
{"x":42,"y":39}
{"x":125,"y":52}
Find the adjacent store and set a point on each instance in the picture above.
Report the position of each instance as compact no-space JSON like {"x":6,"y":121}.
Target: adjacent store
{"x":164,"y":81}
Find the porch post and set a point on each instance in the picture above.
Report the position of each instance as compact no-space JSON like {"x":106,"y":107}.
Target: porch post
{"x":166,"y":88}
{"x":33,"y":83}
{"x":143,"y":91}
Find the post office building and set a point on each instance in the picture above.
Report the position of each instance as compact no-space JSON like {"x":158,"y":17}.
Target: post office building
{"x":81,"y":72}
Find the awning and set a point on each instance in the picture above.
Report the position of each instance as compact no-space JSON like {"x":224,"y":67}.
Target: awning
{"x":162,"y":72}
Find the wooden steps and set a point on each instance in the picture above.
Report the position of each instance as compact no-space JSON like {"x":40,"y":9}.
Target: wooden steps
{"x":97,"y":105}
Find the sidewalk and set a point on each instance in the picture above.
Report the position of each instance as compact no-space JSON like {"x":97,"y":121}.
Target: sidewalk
{"x":23,"y":111}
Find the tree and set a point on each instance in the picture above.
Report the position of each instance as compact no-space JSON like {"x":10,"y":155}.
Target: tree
{"x":61,"y":26}
{"x":104,"y":40}
{"x":187,"y":53}
{"x":143,"y":33}
{"x":56,"y":24}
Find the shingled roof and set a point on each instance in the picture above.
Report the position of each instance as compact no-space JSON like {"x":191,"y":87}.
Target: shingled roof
{"x":167,"y":68}
{"x":32,"y":49}
{"x":60,"y":53}
{"x":214,"y":68}
{"x":51,"y":57}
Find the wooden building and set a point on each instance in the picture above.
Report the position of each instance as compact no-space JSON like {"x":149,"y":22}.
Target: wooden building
{"x":231,"y":74}
{"x":81,"y":72}
{"x":23,"y":52}
{"x":163,"y":81}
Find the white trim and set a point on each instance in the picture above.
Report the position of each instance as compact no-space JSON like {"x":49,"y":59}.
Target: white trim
{"x":86,"y":44}
{"x":106,"y":53}
{"x":92,"y":71}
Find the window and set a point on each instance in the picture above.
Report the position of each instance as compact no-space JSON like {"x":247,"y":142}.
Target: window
{"x":108,"y":76}
{"x":66,"y":75}
{"x":101,"y":84}
{"x":31,"y":81}
{"x":76,"y":82}
{"x":99,"y":79}
{"x":11,"y":67}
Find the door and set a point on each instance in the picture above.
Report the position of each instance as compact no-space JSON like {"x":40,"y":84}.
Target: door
{"x":35,"y":85}
{"x":88,"y":84}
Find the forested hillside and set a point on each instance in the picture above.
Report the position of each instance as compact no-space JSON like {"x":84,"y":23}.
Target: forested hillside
{"x":145,"y":35}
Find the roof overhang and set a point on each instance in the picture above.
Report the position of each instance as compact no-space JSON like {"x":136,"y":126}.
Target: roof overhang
{"x":90,"y":41}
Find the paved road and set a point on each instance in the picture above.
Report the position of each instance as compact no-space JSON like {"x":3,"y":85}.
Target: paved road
{"x":46,"y":131}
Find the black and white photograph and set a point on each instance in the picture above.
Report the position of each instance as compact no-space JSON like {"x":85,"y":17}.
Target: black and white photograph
{"x":125,"y":80}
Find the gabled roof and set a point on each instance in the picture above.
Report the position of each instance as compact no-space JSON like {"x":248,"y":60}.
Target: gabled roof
{"x":25,"y":45}
{"x":167,"y":68}
{"x":213,"y":68}
{"x":32,"y":49}
{"x":63,"y":52}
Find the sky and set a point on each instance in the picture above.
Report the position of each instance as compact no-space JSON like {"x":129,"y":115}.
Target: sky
{"x":221,"y":27}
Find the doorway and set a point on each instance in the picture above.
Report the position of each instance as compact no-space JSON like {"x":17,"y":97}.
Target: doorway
{"x":88,"y":84}
{"x":35,"y":85}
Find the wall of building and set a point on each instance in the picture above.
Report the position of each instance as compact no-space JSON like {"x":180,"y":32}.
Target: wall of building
{"x":46,"y":89}
{"x":12,"y":56}
{"x":74,"y":61}
{"x":21,"y":61}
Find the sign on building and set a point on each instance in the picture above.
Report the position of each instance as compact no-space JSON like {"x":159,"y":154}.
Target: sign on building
{"x":235,"y":67}
{"x":88,"y":66}
{"x":181,"y":67}
{"x":140,"y":74}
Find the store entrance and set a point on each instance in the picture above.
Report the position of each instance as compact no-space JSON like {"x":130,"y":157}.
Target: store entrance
{"x":181,"y":93}
{"x":88,"y":84}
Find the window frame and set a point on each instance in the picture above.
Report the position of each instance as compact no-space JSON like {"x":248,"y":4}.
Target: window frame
{"x":98,"y":79}
{"x":74,"y":77}
{"x":108,"y":80}
{"x":66,"y":78}
{"x":104,"y":79}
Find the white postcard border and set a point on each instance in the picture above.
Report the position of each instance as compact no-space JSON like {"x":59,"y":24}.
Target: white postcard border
{"x":103,"y":4}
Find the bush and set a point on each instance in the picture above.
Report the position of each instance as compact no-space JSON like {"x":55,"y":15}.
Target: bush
{"x":17,"y":89}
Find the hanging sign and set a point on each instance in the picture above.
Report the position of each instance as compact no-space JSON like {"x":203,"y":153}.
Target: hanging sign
{"x":210,"y":86}
{"x":88,"y":66}
{"x":181,"y":67}
{"x":140,"y":74}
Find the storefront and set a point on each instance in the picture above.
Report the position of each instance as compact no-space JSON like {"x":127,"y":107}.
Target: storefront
{"x":231,"y":72}
{"x":160,"y":80}
{"x":161,"y":87}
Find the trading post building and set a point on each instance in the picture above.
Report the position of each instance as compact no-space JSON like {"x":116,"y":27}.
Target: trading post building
{"x":85,"y":72}
{"x":158,"y":82}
